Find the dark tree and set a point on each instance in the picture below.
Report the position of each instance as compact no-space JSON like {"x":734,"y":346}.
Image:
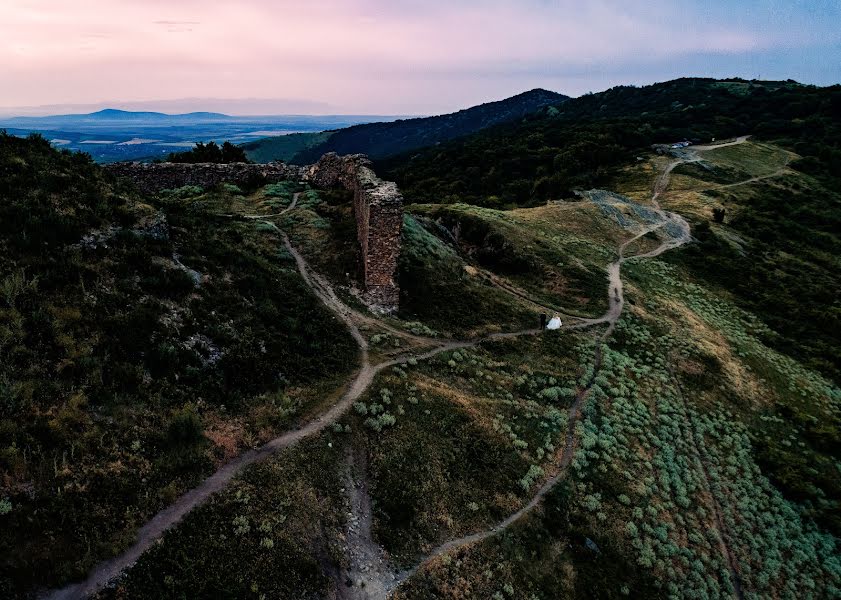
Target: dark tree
{"x":231,"y":153}
{"x":718,"y":215}
{"x":210,"y":153}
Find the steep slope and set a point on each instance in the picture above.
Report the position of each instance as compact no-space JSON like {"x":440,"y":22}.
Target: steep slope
{"x":141,"y":343}
{"x":379,"y":140}
{"x":283,"y":147}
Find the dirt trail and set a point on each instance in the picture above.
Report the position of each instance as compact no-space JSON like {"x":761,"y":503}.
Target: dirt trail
{"x":560,"y":467}
{"x":739,"y":140}
{"x":687,"y":155}
{"x":616,"y":304}
{"x":724,"y":548}
{"x":147,"y":535}
{"x":616,"y":299}
{"x":170,"y":516}
{"x":695,"y":440}
{"x":368,"y":575}
{"x":109,"y":570}
{"x":513,"y":290}
{"x":724,"y":186}
{"x":291,"y":206}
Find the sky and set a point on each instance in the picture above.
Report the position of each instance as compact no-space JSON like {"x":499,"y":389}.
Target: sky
{"x":390,"y":56}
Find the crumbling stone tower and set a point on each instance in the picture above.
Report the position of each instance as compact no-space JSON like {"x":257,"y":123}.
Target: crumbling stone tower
{"x":377,"y":205}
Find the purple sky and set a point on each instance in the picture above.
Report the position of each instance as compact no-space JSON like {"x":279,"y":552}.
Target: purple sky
{"x":390,"y":57}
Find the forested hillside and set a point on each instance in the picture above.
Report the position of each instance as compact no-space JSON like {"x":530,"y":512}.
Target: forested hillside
{"x":379,"y":140}
{"x":576,"y":143}
{"x":787,"y":270}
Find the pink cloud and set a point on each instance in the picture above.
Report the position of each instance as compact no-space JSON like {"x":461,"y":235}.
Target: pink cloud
{"x":365,"y":56}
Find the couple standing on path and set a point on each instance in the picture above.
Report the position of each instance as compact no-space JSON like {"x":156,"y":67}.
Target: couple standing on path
{"x":554,"y":322}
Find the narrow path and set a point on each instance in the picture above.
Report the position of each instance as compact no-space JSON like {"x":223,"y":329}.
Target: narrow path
{"x":724,"y":547}
{"x":703,"y":147}
{"x":688,"y":155}
{"x":110,"y":569}
{"x":565,"y":457}
{"x":702,"y":459}
{"x":147,"y":535}
{"x":616,"y":304}
{"x":291,"y":206}
{"x":724,"y":186}
{"x":513,"y":290}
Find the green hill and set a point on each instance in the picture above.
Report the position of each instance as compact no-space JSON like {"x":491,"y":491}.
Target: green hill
{"x":586,"y":142}
{"x":379,"y":140}
{"x":284,"y":147}
{"x":576,"y":143}
{"x":132,"y":331}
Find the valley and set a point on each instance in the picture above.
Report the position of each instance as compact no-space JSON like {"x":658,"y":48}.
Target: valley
{"x":113,"y":135}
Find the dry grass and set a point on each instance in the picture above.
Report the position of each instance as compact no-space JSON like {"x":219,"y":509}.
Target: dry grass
{"x":711,"y":342}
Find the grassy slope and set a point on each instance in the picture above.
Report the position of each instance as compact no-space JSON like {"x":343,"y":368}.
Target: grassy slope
{"x":672,"y":459}
{"x":436,"y":289}
{"x":776,"y":255}
{"x":275,"y":532}
{"x":777,"y":250}
{"x":123,"y":379}
{"x":476,"y":422}
{"x":557,"y":253}
{"x":687,"y":360}
{"x":672,"y":440}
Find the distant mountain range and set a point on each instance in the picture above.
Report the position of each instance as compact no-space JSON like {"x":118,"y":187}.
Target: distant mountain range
{"x":380,"y":140}
{"x":113,"y":114}
{"x":173,"y":106}
{"x":113,"y":135}
{"x":116,"y":116}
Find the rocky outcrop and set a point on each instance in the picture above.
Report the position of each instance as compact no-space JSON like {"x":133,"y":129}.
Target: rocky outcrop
{"x":154,"y":177}
{"x":378,"y":208}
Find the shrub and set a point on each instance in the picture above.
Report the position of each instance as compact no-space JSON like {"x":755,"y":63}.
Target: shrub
{"x":185,"y":427}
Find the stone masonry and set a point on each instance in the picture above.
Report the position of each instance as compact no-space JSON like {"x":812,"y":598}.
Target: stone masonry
{"x":377,"y":205}
{"x":154,"y":177}
{"x":378,"y":208}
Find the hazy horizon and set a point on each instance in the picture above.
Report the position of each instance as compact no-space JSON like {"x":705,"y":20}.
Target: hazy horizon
{"x":235,"y":107}
{"x":403,"y":57}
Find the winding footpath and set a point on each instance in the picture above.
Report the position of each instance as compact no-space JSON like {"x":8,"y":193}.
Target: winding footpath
{"x":616,"y":302}
{"x":155,"y":528}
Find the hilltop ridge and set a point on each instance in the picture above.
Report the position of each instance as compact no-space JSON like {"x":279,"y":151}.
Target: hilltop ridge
{"x":379,"y":140}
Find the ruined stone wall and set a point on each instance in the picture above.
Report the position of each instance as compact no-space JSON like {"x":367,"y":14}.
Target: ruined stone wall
{"x":378,"y":209}
{"x":377,"y":204}
{"x":154,"y":177}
